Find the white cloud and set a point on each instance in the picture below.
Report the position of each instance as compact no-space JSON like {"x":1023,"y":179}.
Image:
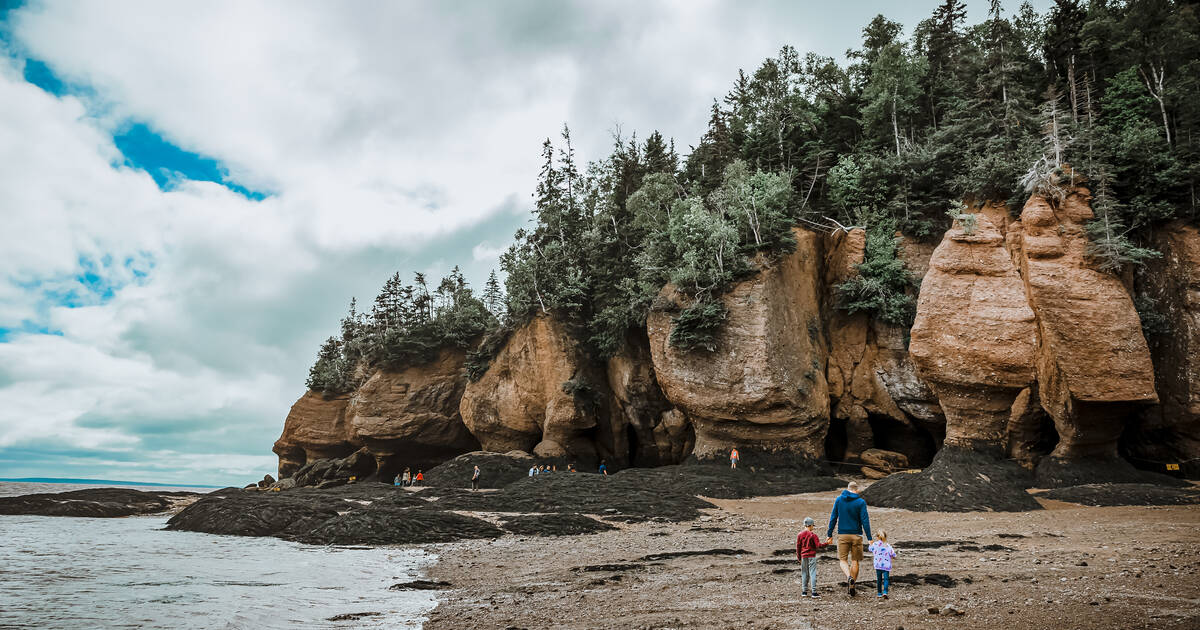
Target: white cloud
{"x":392,"y":136}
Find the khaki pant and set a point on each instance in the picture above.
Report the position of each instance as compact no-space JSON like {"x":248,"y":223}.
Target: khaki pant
{"x":850,"y":547}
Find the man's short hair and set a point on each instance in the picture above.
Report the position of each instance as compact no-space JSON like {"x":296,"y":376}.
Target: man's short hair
{"x":852,"y":487}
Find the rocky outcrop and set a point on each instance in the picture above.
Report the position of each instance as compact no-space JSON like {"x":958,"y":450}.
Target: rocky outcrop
{"x":657,"y":433}
{"x":876,"y":397}
{"x":315,"y":429}
{"x":97,"y":502}
{"x":1170,"y":432}
{"x":974,"y":341}
{"x":542,"y":394}
{"x":402,"y":418}
{"x":1093,"y":366}
{"x":410,"y":418}
{"x":764,"y":387}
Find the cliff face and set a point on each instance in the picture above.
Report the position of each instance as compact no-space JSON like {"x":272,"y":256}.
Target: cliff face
{"x":315,"y":429}
{"x":1019,"y":350}
{"x":974,"y":338}
{"x":404,"y":419}
{"x":764,"y":386}
{"x":410,"y":418}
{"x":1094,"y":369}
{"x":540,"y":395}
{"x":1170,"y":432}
{"x":876,"y":398}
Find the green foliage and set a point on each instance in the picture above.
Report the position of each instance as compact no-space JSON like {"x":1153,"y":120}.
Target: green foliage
{"x":882,"y":282}
{"x":697,"y":326}
{"x":331,"y":373}
{"x":1154,"y":321}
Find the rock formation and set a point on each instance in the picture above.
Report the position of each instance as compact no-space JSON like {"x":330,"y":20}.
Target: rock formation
{"x":1170,"y":432}
{"x":657,"y":433}
{"x":872,"y":381}
{"x":763,"y":388}
{"x":406,"y":418}
{"x":410,"y":418}
{"x":541,"y":394}
{"x":1093,"y":366}
{"x":315,"y":429}
{"x":974,"y":341}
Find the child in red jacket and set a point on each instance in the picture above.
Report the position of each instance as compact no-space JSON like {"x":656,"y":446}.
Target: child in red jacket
{"x":807,"y":544}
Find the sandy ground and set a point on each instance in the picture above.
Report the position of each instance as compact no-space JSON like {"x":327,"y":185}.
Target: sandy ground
{"x":1076,"y":567}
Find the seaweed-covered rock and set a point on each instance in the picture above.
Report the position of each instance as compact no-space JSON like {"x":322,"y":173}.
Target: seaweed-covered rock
{"x":384,"y":523}
{"x":959,"y":480}
{"x":1124,"y":494}
{"x":496,"y":470}
{"x":555,"y":525}
{"x":720,"y":482}
{"x":94,"y":502}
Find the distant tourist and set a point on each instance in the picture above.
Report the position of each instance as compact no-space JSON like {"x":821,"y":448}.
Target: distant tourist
{"x":475,"y":479}
{"x":807,"y":544}
{"x":554,"y":468}
{"x":420,"y":478}
{"x":850,"y":516}
{"x":883,"y":553}
{"x":603,"y":468}
{"x":571,"y":467}
{"x":733,"y":458}
{"x":407,"y":477}
{"x":532,"y":471}
{"x":396,"y":481}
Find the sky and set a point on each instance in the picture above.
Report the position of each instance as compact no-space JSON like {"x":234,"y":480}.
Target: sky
{"x":191,"y":193}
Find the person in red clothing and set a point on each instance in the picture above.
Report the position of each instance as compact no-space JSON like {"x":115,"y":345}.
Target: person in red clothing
{"x":807,"y":544}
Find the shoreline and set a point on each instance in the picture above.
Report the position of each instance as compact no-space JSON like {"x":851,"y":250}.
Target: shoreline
{"x":1065,"y":566}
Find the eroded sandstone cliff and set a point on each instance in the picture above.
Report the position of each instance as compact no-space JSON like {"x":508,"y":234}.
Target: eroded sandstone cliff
{"x":764,"y":386}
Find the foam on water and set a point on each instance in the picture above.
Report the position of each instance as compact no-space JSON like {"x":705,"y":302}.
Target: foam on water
{"x":130,"y":573}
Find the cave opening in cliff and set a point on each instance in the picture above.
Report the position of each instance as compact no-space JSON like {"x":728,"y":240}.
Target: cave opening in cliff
{"x":909,"y":438}
{"x":634,"y":446}
{"x":836,"y":440}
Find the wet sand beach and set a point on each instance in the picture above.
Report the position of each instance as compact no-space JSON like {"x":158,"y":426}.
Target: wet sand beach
{"x":1067,"y":566}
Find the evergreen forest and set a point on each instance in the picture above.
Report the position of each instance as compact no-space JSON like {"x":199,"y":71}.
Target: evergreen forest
{"x":899,"y":137}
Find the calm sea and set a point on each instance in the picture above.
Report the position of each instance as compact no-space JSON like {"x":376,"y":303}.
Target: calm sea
{"x":60,"y":572}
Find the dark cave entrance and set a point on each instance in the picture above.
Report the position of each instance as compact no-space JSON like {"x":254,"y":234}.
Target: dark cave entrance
{"x":635,"y":450}
{"x":836,"y":441}
{"x":909,"y":438}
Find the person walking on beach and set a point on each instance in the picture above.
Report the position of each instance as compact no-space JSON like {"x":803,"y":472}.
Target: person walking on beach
{"x":603,"y":468}
{"x":475,"y":479}
{"x":850,"y":516}
{"x":807,"y":544}
{"x":733,"y":458}
{"x":882,"y":554}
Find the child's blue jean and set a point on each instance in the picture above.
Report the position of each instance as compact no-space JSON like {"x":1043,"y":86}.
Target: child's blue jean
{"x":882,"y":581}
{"x":808,"y":575}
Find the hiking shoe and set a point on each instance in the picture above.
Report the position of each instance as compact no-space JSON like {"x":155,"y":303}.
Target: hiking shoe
{"x":850,"y":586}
{"x":815,"y":596}
{"x":803,"y":593}
{"x":885,"y":596}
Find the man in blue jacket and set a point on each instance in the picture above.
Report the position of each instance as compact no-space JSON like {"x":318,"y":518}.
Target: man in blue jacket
{"x":850,"y":516}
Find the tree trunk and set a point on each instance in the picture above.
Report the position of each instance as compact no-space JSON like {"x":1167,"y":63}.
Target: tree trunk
{"x":1156,"y":90}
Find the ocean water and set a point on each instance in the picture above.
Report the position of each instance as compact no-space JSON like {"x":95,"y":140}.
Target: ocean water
{"x":58,"y":572}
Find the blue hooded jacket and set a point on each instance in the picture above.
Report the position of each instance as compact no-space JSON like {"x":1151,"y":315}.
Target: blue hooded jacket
{"x":850,"y":515}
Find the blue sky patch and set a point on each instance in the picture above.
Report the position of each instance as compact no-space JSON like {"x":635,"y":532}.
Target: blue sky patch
{"x":148,"y":150}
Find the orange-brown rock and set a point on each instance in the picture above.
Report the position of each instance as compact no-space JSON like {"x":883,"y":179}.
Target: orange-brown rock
{"x":657,"y":433}
{"x":315,"y":429}
{"x":871,"y":377}
{"x":763,"y":388}
{"x":410,"y":418}
{"x":974,"y":339}
{"x":1170,"y":432}
{"x":540,"y":394}
{"x":1093,"y":365}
